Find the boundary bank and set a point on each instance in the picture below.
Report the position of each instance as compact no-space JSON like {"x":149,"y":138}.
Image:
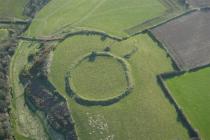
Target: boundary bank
{"x":104,"y":102}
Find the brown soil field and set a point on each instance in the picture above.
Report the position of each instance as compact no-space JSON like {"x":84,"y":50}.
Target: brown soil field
{"x":187,"y":39}
{"x":199,"y":3}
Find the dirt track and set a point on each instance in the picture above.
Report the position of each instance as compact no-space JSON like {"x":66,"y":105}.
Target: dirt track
{"x":187,"y":39}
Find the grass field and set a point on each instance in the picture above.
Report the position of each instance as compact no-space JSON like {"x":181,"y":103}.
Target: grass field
{"x":10,"y":9}
{"x":3,"y":34}
{"x":112,"y":81}
{"x":118,"y":15}
{"x":26,"y":125}
{"x":145,"y":113}
{"x":191,"y":91}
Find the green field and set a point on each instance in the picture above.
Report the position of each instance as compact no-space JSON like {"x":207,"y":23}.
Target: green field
{"x":112,"y":81}
{"x":10,"y":9}
{"x":145,"y":113}
{"x":191,"y":92}
{"x":3,"y":34}
{"x":110,"y":16}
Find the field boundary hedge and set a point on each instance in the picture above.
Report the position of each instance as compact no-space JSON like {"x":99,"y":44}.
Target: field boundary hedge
{"x":15,"y":21}
{"x":175,"y":62}
{"x":178,"y":72}
{"x":194,"y":133}
{"x":108,"y":101}
{"x":176,"y":17}
{"x":160,"y":44}
{"x":161,"y":19}
{"x":178,"y":62}
{"x":87,"y":32}
{"x":104,"y":35}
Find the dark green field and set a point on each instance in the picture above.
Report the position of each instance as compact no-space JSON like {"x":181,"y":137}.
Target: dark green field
{"x":191,"y":91}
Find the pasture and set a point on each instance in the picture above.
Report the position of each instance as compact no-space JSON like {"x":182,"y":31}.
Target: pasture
{"x":3,"y":34}
{"x":187,"y":39}
{"x":99,"y":68}
{"x":11,"y":9}
{"x":191,"y":91}
{"x":114,"y":17}
{"x":145,"y":113}
{"x":112,"y":81}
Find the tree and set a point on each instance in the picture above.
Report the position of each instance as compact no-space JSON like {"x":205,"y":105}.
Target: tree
{"x":93,"y":55}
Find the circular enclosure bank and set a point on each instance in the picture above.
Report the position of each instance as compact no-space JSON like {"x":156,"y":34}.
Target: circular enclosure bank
{"x":99,"y":78}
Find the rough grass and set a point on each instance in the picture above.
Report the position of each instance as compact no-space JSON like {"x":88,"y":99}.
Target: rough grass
{"x":26,"y":125}
{"x":118,"y":15}
{"x":10,"y":9}
{"x":112,"y":81}
{"x":191,"y":91}
{"x":3,"y":34}
{"x":145,"y":114}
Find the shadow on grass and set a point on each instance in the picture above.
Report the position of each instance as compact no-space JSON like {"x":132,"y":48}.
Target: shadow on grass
{"x":193,"y":133}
